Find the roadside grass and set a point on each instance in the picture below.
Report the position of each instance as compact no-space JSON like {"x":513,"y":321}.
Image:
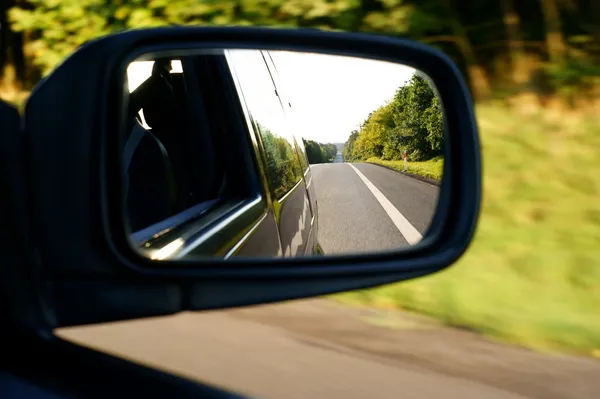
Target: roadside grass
{"x":532,"y":274}
{"x":432,"y":168}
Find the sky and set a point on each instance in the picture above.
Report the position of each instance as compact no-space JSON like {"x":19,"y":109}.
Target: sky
{"x":330,"y":95}
{"x":333,"y":95}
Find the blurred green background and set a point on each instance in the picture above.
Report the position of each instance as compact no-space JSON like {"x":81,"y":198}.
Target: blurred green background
{"x":532,"y":275}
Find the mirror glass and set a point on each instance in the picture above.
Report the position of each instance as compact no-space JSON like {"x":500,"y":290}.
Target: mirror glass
{"x":254,"y":153}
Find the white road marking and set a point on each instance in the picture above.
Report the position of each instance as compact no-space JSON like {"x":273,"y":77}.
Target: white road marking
{"x":409,"y":232}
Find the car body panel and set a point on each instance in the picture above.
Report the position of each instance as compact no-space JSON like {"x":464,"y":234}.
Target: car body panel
{"x":285,"y":98}
{"x":292,"y":211}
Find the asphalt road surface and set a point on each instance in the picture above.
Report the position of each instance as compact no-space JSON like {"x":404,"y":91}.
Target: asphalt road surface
{"x":318,"y":349}
{"x":352,"y":217}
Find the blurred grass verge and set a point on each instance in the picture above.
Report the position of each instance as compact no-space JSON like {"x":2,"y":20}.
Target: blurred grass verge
{"x":432,"y":168}
{"x":532,"y":274}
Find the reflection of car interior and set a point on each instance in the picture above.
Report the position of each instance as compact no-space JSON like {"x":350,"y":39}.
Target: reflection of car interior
{"x":163,"y":162}
{"x":183,"y":153}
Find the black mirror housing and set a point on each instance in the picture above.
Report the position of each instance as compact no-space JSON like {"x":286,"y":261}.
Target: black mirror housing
{"x":88,"y":273}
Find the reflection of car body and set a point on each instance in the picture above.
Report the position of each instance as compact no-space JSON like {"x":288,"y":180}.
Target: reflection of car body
{"x":271,"y":211}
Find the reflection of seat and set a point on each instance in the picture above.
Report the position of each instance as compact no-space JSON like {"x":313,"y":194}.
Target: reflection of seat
{"x":163,"y":114}
{"x":170,"y":115}
{"x":188,"y":155}
{"x":196,"y":137}
{"x":150,"y":184}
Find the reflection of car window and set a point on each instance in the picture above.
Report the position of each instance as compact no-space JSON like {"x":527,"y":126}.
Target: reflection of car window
{"x":283,"y":164}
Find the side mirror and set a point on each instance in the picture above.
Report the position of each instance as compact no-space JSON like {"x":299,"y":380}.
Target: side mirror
{"x":172,"y":169}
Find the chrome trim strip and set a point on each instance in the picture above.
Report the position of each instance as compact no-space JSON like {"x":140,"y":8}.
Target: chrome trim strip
{"x":172,"y":222}
{"x":291,"y":191}
{"x":246,"y":236}
{"x":309,"y":182}
{"x":191,"y":246}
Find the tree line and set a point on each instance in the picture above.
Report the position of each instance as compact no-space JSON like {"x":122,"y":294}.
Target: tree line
{"x":284,"y":167}
{"x":412,"y":121}
{"x":502,"y":46}
{"x":319,"y":152}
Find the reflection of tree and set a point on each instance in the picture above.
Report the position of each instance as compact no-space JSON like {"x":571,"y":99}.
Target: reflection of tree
{"x":303,"y":161}
{"x":282,"y":163}
{"x":319,"y":152}
{"x":412,"y":122}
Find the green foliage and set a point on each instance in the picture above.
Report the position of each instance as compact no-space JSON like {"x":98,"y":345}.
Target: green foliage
{"x":319,"y":152}
{"x":330,"y":151}
{"x":432,"y":168}
{"x":56,"y":28}
{"x":474,"y":34}
{"x":372,"y":134}
{"x":283,"y":165}
{"x":59,"y":27}
{"x":434,"y":123}
{"x":574,"y":77}
{"x":412,"y":122}
{"x":348,"y":150}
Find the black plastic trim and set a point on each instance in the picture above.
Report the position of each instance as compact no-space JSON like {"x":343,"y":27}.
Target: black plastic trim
{"x":441,"y":70}
{"x":91,"y":274}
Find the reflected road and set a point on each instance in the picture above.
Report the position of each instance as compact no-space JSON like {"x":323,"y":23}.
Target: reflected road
{"x":351,"y":219}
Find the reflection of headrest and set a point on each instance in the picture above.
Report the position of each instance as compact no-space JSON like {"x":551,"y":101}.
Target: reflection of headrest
{"x":156,"y":97}
{"x":162,"y":67}
{"x":159,"y":103}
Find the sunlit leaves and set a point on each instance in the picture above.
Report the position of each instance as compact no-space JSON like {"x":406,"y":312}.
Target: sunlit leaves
{"x":393,"y":20}
{"x":412,"y":121}
{"x":58,"y":27}
{"x":283,"y":166}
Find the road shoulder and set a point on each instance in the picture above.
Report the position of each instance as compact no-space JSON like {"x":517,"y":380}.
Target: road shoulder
{"x":413,"y":175}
